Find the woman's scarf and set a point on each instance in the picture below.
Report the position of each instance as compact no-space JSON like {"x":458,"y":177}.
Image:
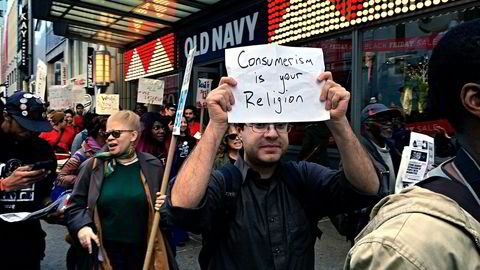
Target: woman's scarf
{"x":110,"y":160}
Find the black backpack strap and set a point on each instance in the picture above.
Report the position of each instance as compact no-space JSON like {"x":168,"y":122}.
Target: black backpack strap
{"x":232,"y":182}
{"x":294,"y":184}
{"x":455,"y":191}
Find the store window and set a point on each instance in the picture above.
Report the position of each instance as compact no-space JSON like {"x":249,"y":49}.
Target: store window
{"x":313,"y":141}
{"x":395,"y":66}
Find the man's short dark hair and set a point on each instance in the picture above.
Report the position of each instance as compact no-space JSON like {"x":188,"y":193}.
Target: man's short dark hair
{"x":455,"y":62}
{"x":191,"y":107}
{"x":79,"y":105}
{"x":68,"y":111}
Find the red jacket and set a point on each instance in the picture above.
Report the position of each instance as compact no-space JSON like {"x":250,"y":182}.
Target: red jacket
{"x":78,"y":123}
{"x":193,"y":128}
{"x":65,"y":142}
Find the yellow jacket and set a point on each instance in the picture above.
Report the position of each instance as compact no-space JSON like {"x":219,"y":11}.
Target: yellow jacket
{"x":417,"y":229}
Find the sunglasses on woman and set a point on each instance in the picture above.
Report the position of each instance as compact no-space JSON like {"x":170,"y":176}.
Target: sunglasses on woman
{"x":232,"y":137}
{"x":115,"y":133}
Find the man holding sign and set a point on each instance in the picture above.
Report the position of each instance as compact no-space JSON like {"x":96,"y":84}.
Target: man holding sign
{"x":262,"y":212}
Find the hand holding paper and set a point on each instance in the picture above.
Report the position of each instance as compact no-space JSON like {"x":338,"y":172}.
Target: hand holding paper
{"x":220,"y":101}
{"x":335,"y":96}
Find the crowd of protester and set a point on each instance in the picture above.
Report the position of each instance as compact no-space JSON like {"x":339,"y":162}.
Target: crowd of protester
{"x":232,"y":184}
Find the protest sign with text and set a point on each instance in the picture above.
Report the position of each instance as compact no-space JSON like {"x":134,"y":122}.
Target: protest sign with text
{"x":107,"y":104}
{"x":79,"y":80}
{"x":204,"y":86}
{"x":150,"y":91}
{"x":60,"y":97}
{"x":276,"y":84}
{"x":78,"y":94}
{"x":41,"y":79}
{"x":183,"y":93}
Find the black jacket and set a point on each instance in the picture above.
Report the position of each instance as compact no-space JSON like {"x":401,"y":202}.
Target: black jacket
{"x":24,"y":239}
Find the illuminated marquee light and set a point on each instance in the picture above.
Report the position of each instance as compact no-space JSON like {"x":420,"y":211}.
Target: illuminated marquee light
{"x":155,"y":57}
{"x":290,"y":20}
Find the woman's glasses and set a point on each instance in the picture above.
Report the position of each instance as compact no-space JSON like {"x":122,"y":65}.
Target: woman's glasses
{"x":232,"y":137}
{"x":115,"y":133}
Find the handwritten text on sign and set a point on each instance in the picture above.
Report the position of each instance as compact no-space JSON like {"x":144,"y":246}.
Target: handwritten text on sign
{"x":107,"y":104}
{"x":60,"y":97}
{"x":276,"y":84}
{"x":204,"y":86}
{"x":150,"y":91}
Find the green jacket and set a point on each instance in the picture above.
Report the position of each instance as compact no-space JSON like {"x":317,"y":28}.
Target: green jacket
{"x":417,"y":229}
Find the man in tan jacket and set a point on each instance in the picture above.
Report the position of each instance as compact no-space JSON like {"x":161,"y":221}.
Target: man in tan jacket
{"x":434,"y":225}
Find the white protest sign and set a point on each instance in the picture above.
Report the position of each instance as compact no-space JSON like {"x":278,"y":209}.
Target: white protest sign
{"x":276,"y":84}
{"x":79,"y":80}
{"x":150,"y":91}
{"x":59,"y":97}
{"x":183,"y":92}
{"x":204,"y":86}
{"x":107,"y":104}
{"x":78,"y":94}
{"x":41,"y":79}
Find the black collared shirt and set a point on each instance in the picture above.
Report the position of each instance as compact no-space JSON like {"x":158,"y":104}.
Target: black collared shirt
{"x":270,"y":229}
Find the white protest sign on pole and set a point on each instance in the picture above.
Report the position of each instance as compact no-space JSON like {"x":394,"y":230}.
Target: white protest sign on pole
{"x":150,"y":91}
{"x":183,"y":92}
{"x":107,"y":104}
{"x":78,"y":94}
{"x":276,"y":84}
{"x":60,"y":96}
{"x":204,"y":86}
{"x":41,"y":79}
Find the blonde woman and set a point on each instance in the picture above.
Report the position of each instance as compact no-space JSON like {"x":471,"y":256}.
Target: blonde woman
{"x":112,"y":201}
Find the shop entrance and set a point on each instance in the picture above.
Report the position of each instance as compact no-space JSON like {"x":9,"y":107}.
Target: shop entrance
{"x":213,"y":71}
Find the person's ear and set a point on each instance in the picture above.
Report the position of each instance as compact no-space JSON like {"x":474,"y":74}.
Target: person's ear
{"x":470,"y":98}
{"x":134,"y":136}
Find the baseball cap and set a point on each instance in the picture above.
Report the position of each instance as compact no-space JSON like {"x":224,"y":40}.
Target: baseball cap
{"x":377,"y":108}
{"x":171,"y":105}
{"x":29,"y":111}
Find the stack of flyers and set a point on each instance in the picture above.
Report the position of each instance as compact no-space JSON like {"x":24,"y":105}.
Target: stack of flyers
{"x":417,"y":161}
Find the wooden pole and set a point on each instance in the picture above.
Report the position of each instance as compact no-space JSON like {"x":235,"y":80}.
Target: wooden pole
{"x":156,"y":219}
{"x":202,"y":112}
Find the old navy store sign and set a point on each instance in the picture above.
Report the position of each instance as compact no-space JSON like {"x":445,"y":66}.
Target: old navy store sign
{"x":210,"y":43}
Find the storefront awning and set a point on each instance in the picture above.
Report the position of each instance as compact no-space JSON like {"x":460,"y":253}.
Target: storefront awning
{"x":115,"y":22}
